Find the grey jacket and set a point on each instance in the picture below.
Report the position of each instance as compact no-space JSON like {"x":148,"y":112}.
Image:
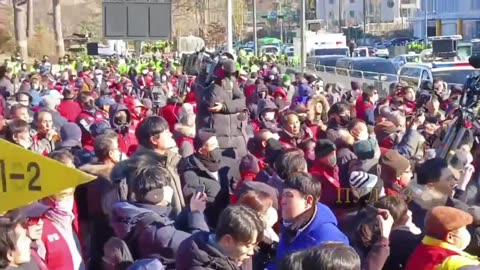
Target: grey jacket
{"x":6,"y":87}
{"x":120,"y":190}
{"x":411,"y":145}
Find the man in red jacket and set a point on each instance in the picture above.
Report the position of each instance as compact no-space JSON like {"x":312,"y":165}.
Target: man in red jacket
{"x":69,"y":108}
{"x":365,"y":105}
{"x":171,"y":112}
{"x":87,"y":117}
{"x":325,"y":170}
{"x":138,"y":112}
{"x":121,"y":122}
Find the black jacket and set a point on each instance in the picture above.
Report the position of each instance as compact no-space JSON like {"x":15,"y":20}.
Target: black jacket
{"x":402,"y":245}
{"x":193,"y":174}
{"x":196,"y":253}
{"x":149,"y":232}
{"x":227,"y":122}
{"x":95,"y":214}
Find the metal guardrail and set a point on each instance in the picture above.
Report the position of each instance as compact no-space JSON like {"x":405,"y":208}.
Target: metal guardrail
{"x":344,"y":77}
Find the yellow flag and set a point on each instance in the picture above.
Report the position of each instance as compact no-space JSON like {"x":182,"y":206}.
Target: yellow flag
{"x":26,"y":177}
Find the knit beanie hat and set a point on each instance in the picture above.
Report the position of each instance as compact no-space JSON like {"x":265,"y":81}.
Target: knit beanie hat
{"x":365,"y":149}
{"x":393,"y":163}
{"x":249,"y":164}
{"x":324,"y":148}
{"x":363,"y":183}
{"x":202,"y":138}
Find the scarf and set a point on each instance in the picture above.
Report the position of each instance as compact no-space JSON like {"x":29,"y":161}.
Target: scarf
{"x":211,"y":164}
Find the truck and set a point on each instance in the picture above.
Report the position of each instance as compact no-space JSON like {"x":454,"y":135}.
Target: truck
{"x":322,"y":43}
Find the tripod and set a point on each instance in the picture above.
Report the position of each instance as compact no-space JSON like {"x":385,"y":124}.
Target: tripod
{"x":455,"y":134}
{"x":463,"y":121}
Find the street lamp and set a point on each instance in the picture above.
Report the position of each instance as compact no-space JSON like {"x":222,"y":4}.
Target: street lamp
{"x":302,"y":37}
{"x":229,"y":26}
{"x":255,"y":44}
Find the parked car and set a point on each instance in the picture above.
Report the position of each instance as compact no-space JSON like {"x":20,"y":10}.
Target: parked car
{"x":401,"y":60}
{"x":397,"y":41}
{"x":373,"y":68}
{"x":381,"y":51}
{"x":324,"y":63}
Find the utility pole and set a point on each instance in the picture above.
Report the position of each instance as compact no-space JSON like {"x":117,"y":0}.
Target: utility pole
{"x":255,"y":44}
{"x":365,"y":14}
{"x":340,"y":15}
{"x":229,"y":26}
{"x":426,"y":22}
{"x":302,"y":37}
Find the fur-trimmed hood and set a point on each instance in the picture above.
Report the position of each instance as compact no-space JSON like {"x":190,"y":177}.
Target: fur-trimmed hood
{"x":184,"y":130}
{"x":99,"y":170}
{"x":426,"y":198}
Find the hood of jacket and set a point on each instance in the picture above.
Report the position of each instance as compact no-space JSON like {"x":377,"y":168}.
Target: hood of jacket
{"x":97,"y":169}
{"x":266,"y":104}
{"x":125,"y":216}
{"x":116,"y":108}
{"x":184,"y":130}
{"x":197,"y":252}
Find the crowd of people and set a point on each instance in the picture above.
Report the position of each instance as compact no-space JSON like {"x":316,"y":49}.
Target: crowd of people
{"x":255,"y":171}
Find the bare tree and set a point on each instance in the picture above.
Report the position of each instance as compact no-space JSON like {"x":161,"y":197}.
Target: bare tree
{"x":20,"y":20}
{"x":57,"y":27}
{"x":30,"y":27}
{"x":215,"y":35}
{"x":239,"y":10}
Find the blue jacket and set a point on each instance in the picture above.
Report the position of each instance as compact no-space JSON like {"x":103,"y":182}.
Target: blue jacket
{"x":322,"y":229}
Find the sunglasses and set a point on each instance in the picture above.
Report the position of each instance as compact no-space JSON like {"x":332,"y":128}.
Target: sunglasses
{"x":32,"y":221}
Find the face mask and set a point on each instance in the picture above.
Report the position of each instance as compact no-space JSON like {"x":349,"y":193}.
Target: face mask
{"x":35,"y":86}
{"x":271,"y":77}
{"x":167,"y":194}
{"x":220,"y":73}
{"x":66,"y":205}
{"x":269,"y":116}
{"x":264,"y":67}
{"x":332,"y":160}
{"x":465,"y":237}
{"x":375,"y":98}
{"x":274,"y":71}
{"x":287,"y":83}
{"x":271,"y":217}
{"x":356,"y":93}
